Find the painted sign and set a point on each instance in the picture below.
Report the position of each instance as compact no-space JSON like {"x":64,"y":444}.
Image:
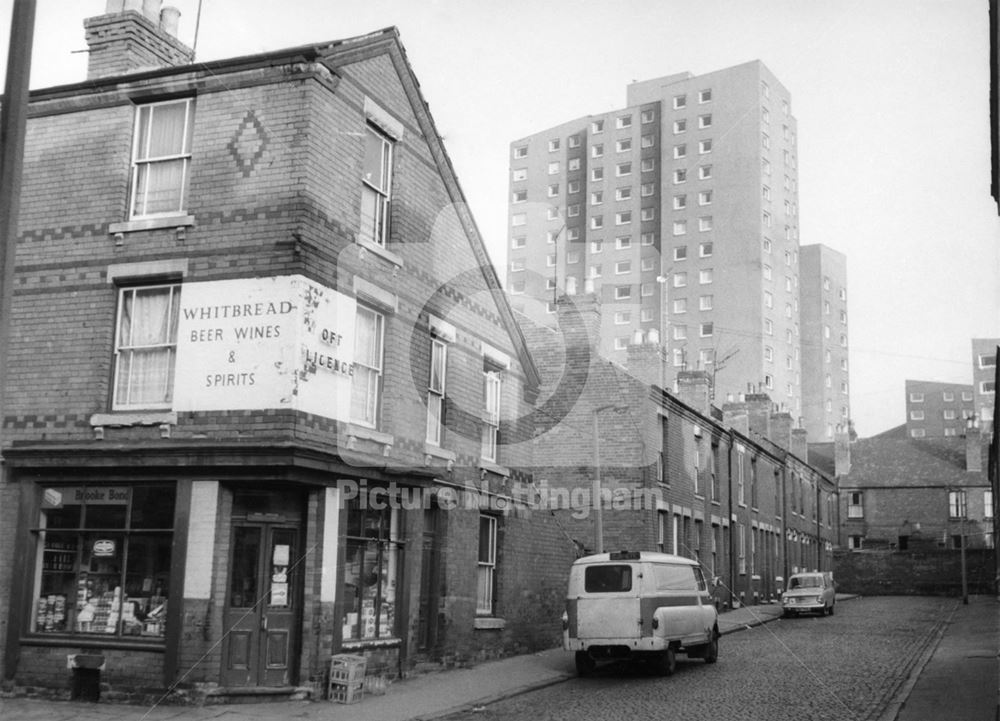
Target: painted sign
{"x":92,"y":495}
{"x":258,"y":343}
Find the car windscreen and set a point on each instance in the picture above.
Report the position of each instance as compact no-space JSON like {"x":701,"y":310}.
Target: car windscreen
{"x":806,"y":582}
{"x":607,"y":579}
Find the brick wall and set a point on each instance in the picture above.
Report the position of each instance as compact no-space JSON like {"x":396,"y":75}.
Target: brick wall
{"x":926,"y":572}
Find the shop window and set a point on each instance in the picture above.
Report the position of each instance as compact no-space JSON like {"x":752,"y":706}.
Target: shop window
{"x":103,"y":560}
{"x":371,"y":571}
{"x":146,"y":346}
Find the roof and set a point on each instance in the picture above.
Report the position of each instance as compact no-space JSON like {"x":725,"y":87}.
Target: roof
{"x":885,"y":461}
{"x":642,"y":556}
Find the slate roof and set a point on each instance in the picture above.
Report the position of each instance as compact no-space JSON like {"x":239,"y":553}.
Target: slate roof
{"x":887,"y":461}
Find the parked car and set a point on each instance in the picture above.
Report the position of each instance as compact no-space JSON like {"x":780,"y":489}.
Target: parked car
{"x":809,"y":593}
{"x":639,"y":606}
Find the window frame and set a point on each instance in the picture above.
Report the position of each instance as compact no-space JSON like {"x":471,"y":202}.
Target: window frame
{"x":436,"y":390}
{"x":373,"y":393}
{"x":141,"y":140}
{"x":377,"y":231}
{"x":169,"y":346}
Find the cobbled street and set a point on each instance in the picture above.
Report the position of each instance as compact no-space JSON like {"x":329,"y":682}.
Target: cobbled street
{"x":846,"y":667}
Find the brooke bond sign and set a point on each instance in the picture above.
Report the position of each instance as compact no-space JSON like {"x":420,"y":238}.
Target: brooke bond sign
{"x":258,"y":343}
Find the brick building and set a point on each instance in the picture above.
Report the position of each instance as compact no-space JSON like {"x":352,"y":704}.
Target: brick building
{"x":675,"y":474}
{"x":259,"y":356}
{"x":909,"y":493}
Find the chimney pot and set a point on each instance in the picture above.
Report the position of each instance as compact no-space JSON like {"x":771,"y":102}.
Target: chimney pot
{"x":151,"y":9}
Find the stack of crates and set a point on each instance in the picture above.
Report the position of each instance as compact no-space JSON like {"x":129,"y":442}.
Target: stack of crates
{"x":347,"y":678}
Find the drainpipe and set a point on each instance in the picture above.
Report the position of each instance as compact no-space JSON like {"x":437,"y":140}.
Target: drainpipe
{"x":732,"y":529}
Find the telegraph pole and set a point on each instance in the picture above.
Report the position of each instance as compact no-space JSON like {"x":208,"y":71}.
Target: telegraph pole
{"x":13,"y":124}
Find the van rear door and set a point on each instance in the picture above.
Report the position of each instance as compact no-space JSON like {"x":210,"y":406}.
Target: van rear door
{"x":608,"y":606}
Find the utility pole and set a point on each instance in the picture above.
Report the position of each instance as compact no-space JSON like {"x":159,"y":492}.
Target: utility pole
{"x":13,"y":124}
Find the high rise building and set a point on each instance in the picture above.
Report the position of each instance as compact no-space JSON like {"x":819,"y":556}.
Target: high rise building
{"x":935,"y":409}
{"x":823,"y":315}
{"x":984,"y":368}
{"x":680,"y":211}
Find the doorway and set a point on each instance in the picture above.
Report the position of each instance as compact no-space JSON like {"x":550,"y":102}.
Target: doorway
{"x":262,"y":605}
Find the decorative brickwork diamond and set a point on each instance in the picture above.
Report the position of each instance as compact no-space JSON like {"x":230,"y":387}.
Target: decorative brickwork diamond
{"x":248,"y":143}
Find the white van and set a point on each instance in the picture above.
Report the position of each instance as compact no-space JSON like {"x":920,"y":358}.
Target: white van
{"x":639,"y":605}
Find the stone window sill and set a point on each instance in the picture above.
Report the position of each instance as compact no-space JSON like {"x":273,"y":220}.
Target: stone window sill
{"x":488,"y":623}
{"x":380,"y":251}
{"x":166,"y":221}
{"x":134,"y":418}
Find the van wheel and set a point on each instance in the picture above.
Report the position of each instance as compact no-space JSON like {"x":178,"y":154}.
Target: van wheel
{"x":831,"y":608}
{"x":666,"y":662}
{"x":712,"y":649}
{"x":585,"y":663}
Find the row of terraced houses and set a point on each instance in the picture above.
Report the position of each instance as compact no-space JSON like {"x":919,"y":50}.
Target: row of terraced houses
{"x":267,"y":400}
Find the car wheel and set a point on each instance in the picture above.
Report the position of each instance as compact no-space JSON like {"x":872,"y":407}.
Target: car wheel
{"x":786,"y":614}
{"x":585,"y":663}
{"x":712,"y":649}
{"x":666,"y":662}
{"x":831,"y":608}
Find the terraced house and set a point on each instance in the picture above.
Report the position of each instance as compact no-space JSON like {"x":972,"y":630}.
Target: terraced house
{"x":259,"y":358}
{"x":729,"y":487}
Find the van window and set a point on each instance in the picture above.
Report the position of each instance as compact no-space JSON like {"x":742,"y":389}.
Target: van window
{"x":607,"y":579}
{"x":674,"y":578}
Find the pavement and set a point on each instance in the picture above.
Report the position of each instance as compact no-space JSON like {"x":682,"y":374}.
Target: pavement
{"x":969,"y":639}
{"x":959,"y":677}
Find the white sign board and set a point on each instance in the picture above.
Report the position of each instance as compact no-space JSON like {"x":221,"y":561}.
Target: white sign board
{"x":260,"y":343}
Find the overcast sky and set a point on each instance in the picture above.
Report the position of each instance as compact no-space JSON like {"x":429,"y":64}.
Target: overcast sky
{"x":891,"y":98}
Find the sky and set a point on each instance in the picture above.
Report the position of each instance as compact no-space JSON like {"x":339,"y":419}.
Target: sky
{"x":891,"y":98}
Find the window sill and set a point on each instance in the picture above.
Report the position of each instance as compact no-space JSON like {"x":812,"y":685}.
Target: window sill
{"x":133,"y":418}
{"x":432,"y":453}
{"x":355,"y":432}
{"x":488,"y":623}
{"x":378,"y":250}
{"x":491,"y":467}
{"x":357,"y":644}
{"x":166,"y":221}
{"x":91,"y":642}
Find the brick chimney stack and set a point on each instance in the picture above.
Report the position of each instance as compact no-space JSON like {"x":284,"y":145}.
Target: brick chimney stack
{"x":694,"y":388}
{"x":841,"y":451}
{"x":646,"y":361}
{"x":800,"y":444}
{"x":759,"y":409}
{"x":735,"y":415}
{"x":134,"y":35}
{"x":781,"y":429}
{"x":973,"y":449}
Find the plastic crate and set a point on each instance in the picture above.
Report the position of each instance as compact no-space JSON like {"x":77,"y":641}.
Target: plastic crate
{"x":347,"y":692}
{"x":345,"y":669}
